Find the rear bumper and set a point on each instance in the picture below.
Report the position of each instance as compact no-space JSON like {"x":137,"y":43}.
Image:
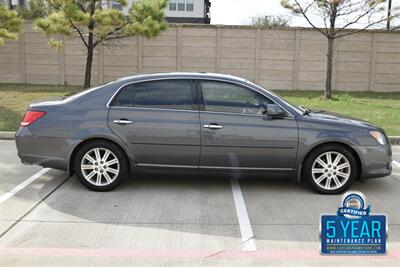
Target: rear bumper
{"x":44,"y":151}
{"x":375,"y":161}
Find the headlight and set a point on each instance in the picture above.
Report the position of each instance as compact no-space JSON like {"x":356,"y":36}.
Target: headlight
{"x":378,"y":136}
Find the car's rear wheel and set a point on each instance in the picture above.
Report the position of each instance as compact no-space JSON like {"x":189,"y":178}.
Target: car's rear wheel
{"x":100,"y":165}
{"x":330,"y":169}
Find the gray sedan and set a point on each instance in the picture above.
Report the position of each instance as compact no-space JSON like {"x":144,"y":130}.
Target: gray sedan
{"x":198,"y":122}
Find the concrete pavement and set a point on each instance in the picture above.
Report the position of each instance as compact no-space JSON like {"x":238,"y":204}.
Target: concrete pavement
{"x":173,"y":221}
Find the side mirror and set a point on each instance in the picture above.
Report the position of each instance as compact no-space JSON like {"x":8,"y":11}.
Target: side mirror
{"x":275,"y":112}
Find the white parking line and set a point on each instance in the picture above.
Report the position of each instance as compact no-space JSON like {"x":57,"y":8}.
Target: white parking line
{"x":249,"y":243}
{"x":23,"y":185}
{"x":396,"y":163}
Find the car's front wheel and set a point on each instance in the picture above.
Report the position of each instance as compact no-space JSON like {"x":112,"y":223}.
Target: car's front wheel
{"x":330,"y":169}
{"x":100,"y":165}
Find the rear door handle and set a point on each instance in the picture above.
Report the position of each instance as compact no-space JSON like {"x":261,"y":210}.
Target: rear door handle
{"x":214,"y":126}
{"x":122,"y":121}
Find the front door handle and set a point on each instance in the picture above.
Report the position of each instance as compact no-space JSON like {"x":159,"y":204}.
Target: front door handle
{"x":122,"y":121}
{"x":214,"y":126}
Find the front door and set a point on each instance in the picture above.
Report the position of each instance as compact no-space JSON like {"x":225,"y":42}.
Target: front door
{"x":160,"y":122}
{"x":236,"y":134}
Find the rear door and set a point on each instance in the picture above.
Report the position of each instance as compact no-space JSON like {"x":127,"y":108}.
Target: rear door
{"x":160,"y":122}
{"x":236,"y":134}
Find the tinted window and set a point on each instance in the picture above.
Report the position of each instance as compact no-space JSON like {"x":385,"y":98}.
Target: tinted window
{"x":226,"y":97}
{"x":168,"y":94}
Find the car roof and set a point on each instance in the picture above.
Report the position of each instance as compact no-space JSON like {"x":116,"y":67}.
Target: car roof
{"x":193,"y":75}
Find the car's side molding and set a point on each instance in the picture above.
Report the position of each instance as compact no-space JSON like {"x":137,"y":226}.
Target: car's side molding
{"x":212,"y":167}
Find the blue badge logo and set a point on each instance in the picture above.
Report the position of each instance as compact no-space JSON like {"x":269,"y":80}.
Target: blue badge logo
{"x":353,"y":206}
{"x":353,"y":229}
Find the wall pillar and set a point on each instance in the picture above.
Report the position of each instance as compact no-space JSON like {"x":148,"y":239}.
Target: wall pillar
{"x":257,"y":57}
{"x":296,"y":61}
{"x":372,"y":70}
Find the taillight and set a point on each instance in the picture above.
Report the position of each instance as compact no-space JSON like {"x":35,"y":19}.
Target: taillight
{"x":31,"y":116}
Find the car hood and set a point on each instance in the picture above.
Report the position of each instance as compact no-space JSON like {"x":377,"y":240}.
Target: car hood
{"x":336,"y":117}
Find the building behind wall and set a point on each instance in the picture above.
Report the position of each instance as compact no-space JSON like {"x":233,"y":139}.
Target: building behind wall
{"x":180,"y":11}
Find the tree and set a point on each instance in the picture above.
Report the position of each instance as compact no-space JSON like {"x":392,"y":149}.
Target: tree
{"x":337,"y":16}
{"x":93,"y":23}
{"x":34,"y":9}
{"x":269,"y":21}
{"x":10,"y":24}
{"x":389,"y":13}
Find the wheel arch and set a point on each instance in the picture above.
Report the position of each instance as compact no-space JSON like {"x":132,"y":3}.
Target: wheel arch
{"x":128,"y":155}
{"x":347,"y":146}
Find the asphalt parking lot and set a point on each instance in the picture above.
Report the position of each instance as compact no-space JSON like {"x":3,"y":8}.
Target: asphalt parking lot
{"x":49,"y":219}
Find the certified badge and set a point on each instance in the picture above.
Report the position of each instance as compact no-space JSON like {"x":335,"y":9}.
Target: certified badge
{"x":353,"y":230}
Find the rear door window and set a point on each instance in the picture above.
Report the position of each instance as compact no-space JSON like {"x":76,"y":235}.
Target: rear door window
{"x":164,"y":94}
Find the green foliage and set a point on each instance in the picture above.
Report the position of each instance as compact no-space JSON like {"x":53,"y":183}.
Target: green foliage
{"x":81,"y":17}
{"x":10,"y":24}
{"x":35,"y":9}
{"x":94,"y":23}
{"x":269,"y":21}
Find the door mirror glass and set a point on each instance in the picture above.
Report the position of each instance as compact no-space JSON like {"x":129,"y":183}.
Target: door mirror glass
{"x":275,"y":111}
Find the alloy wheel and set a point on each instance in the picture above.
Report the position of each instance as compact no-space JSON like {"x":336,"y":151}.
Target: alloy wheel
{"x":100,"y":166}
{"x":331,"y":170}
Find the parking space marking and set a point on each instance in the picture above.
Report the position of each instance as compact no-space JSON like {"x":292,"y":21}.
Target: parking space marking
{"x":246,"y":231}
{"x":396,"y":163}
{"x":23,"y":185}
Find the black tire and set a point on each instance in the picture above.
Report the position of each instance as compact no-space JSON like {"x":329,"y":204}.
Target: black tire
{"x":122,"y":161}
{"x":309,"y":161}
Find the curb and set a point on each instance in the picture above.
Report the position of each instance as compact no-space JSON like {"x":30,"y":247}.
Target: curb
{"x":394,"y":140}
{"x":7,"y":135}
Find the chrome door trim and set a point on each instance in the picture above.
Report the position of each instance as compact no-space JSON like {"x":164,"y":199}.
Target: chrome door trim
{"x":245,"y":168}
{"x":166,"y":166}
{"x":212,"y":167}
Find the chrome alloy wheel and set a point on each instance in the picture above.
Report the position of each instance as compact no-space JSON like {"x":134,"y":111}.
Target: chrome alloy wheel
{"x":100,"y":166}
{"x":331,"y":170}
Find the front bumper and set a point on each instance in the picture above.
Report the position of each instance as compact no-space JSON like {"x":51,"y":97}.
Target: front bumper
{"x":44,"y":151}
{"x":375,"y":161}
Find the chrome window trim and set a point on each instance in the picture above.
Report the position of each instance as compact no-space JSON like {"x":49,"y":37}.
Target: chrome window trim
{"x":199,"y":79}
{"x":159,"y":109}
{"x":195,"y":111}
{"x":240,"y":114}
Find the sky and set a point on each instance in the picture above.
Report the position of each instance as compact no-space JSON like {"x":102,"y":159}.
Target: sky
{"x":239,"y":12}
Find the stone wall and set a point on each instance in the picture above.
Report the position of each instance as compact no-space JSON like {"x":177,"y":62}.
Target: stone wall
{"x":288,"y":59}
